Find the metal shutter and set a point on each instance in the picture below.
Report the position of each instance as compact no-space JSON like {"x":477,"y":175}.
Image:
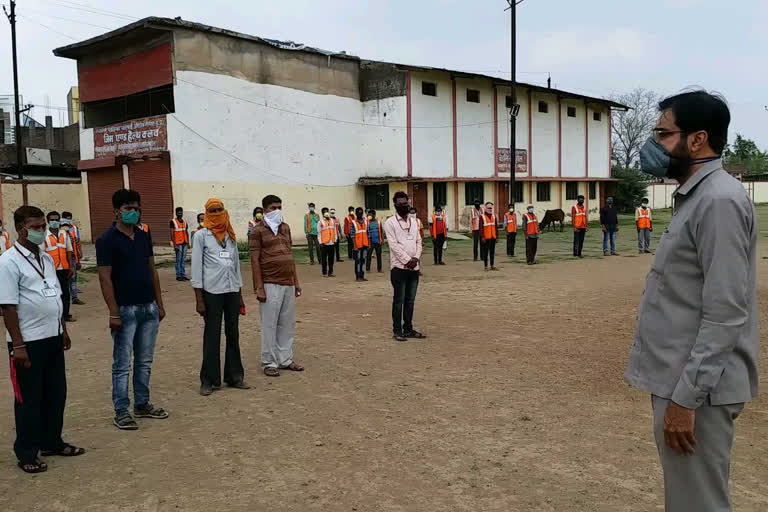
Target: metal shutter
{"x":102,"y":183}
{"x":152,"y":179}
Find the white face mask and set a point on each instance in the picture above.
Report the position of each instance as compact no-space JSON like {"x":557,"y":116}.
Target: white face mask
{"x":274,"y":219}
{"x":530,"y":210}
{"x":412,"y":215}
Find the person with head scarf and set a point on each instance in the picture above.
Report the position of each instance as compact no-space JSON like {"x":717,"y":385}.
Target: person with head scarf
{"x":217,"y":282}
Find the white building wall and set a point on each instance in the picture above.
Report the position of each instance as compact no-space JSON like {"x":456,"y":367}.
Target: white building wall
{"x":521,"y":123}
{"x":432,"y":122}
{"x":574,"y":139}
{"x":384,"y":149}
{"x":599,"y":145}
{"x":474,"y":131}
{"x":86,"y":144}
{"x":544,"y":128}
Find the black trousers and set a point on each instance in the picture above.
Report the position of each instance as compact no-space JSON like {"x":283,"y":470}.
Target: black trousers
{"x":327,"y":253}
{"x":43,"y":391}
{"x":511,"y":239}
{"x":490,"y":252}
{"x":313,"y":245}
{"x":476,"y":243}
{"x":226,"y":305}
{"x":578,"y":241}
{"x":405,"y":284}
{"x":531,"y":245}
{"x":63,"y":276}
{"x":437,"y":248}
{"x":374,"y":248}
{"x":350,"y":248}
{"x":337,"y":246}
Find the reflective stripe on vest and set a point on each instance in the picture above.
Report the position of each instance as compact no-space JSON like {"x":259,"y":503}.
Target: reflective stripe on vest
{"x":180,"y":232}
{"x":361,"y":235}
{"x":144,"y":228}
{"x":327,"y":232}
{"x":5,"y":239}
{"x":532,"y":225}
{"x":580,"y":217}
{"x":74,"y":246}
{"x":643,"y":218}
{"x":489,"y":226}
{"x":475,"y":215}
{"x":57,"y":249}
{"x":511,"y":222}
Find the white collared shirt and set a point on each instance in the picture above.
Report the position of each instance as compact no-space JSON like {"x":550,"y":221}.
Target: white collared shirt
{"x":22,"y":286}
{"x":215,"y":269}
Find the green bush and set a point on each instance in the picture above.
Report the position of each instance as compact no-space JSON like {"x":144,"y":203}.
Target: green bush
{"x":630,"y":189}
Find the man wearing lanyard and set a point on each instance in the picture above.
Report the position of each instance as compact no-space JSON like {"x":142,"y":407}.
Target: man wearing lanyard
{"x":218,"y":283}
{"x":405,"y":248}
{"x":37,"y":338}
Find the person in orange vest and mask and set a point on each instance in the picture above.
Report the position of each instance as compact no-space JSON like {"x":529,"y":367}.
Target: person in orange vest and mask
{"x":474,"y":216}
{"x":579,"y":216}
{"x":180,"y":242}
{"x":438,"y":229}
{"x":489,"y":235}
{"x":348,"y":220}
{"x":358,"y":230}
{"x":77,"y":253}
{"x":531,"y":230}
{"x":644,"y":227}
{"x":510,"y":226}
{"x":329,"y":235}
{"x":58,"y":245}
{"x":339,"y":235}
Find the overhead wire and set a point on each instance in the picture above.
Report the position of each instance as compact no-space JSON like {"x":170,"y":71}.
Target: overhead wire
{"x":45,"y":26}
{"x":43,"y":13}
{"x":92,"y":10}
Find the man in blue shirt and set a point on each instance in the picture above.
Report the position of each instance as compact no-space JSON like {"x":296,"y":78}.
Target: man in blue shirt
{"x":131,"y":289}
{"x":376,"y":237}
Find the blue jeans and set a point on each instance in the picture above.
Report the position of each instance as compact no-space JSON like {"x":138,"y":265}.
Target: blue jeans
{"x":360,"y":262}
{"x":181,"y":256}
{"x":73,"y":279}
{"x":137,"y":335}
{"x":610,"y":233}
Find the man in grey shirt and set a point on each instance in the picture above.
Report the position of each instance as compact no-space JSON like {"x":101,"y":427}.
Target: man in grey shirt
{"x":217,"y":282}
{"x":696,"y":343}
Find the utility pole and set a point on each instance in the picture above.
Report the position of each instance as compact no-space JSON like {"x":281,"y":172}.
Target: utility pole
{"x":514,"y":110}
{"x":12,"y":19}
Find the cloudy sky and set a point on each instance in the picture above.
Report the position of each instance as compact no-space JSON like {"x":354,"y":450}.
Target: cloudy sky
{"x":597,"y":47}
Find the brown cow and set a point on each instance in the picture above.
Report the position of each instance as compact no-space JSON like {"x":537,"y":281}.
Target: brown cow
{"x":550,"y":218}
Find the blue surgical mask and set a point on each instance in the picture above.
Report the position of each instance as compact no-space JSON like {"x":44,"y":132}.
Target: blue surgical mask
{"x":54,"y":224}
{"x":36,"y":237}
{"x":130,"y":217}
{"x":657,"y":161}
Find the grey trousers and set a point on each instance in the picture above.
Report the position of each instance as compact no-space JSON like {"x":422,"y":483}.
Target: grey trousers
{"x":698,"y":483}
{"x":278,"y":320}
{"x":644,"y":240}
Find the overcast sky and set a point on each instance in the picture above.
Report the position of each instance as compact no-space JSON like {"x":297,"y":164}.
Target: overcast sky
{"x":597,"y":47}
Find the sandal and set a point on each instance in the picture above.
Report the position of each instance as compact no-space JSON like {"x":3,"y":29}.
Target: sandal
{"x":67,"y":450}
{"x":271,"y":372}
{"x":150,"y":411}
{"x":416,"y":335}
{"x":36,"y":466}
{"x":125,"y":422}
{"x":294,"y":367}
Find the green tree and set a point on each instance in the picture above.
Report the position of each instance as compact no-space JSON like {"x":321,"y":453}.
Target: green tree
{"x":746,"y":156}
{"x":630,"y":189}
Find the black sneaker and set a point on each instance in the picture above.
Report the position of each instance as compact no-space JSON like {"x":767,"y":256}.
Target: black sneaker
{"x":125,"y":422}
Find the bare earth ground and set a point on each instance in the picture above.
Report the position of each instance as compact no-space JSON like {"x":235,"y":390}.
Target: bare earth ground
{"x":514,"y":403}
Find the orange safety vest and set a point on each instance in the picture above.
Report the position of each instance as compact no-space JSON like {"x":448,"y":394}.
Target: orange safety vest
{"x":643,"y":218}
{"x":433,"y":229}
{"x":57,"y":249}
{"x":144,"y":228}
{"x":361,"y":235}
{"x":5,"y":240}
{"x":511,"y":222}
{"x":348,"y":220}
{"x":74,"y":245}
{"x":475,"y":216}
{"x":532,"y":225}
{"x":489,"y":227}
{"x":579,"y":214}
{"x":327,"y":232}
{"x":180,"y":235}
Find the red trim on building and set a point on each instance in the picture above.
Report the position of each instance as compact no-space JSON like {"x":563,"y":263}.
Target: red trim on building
{"x":610,"y":144}
{"x":408,"y":122}
{"x":496,"y":132}
{"x":559,"y":139}
{"x":97,"y":163}
{"x":455,"y":129}
{"x":560,"y":195}
{"x":130,"y":75}
{"x":456,"y":205}
{"x":586,"y":141}
{"x":530,"y":188}
{"x":530,"y":136}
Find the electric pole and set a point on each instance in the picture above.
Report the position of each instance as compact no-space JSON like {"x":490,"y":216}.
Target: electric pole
{"x":514,"y":109}
{"x":12,"y":19}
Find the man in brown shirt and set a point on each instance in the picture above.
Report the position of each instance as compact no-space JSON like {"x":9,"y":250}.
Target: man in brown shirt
{"x":276,"y":284}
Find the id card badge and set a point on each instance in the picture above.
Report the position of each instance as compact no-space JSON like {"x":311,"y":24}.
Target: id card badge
{"x":409,"y":237}
{"x":50,"y":293}
{"x":224,"y":254}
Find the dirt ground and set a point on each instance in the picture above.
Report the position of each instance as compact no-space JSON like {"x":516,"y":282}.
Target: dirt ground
{"x":514,"y":403}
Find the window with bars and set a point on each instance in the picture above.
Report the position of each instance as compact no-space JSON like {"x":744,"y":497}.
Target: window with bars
{"x":377,"y":197}
{"x":571,"y":191}
{"x":518,"y":191}
{"x":571,"y":111}
{"x":474,"y":191}
{"x":543,"y":107}
{"x":473,"y":96}
{"x":543,"y":191}
{"x":593,"y":190}
{"x":440,"y":193}
{"x":429,"y":88}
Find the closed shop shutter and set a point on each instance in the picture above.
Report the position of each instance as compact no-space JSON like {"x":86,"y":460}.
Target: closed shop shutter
{"x":102,"y":183}
{"x":152,"y":179}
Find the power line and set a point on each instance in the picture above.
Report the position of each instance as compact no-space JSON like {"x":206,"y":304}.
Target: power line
{"x":42,"y":13}
{"x":93,"y":10}
{"x":46,"y":26}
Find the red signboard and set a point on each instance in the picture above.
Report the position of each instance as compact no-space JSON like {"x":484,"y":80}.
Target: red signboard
{"x":521,"y":161}
{"x":145,"y":135}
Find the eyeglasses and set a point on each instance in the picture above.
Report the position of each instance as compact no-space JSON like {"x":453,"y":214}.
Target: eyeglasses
{"x":660,"y":133}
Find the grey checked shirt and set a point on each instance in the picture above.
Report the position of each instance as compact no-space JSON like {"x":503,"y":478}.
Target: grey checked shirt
{"x":696,"y":332}
{"x":215,"y":269}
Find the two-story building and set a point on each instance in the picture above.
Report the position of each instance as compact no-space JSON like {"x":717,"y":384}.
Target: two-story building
{"x":182,"y":111}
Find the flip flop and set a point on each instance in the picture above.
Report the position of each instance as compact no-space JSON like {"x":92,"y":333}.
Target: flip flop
{"x":67,"y":450}
{"x":36,"y":466}
{"x":294,"y":367}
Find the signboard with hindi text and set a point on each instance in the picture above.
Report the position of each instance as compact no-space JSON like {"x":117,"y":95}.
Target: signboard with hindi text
{"x":521,"y":161}
{"x":134,"y":137}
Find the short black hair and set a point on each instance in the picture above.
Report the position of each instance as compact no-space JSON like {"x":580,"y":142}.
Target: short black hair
{"x":257,"y":210}
{"x":359,"y":209}
{"x":351,"y":208}
{"x":66,"y":215}
{"x":644,"y":200}
{"x":199,"y":215}
{"x":399,"y":195}
{"x":324,"y":210}
{"x":701,"y":110}
{"x":372,"y":211}
{"x":51,"y":214}
{"x":179,"y":208}
{"x":125,"y":196}
{"x":311,"y":204}
{"x":23,"y":213}
{"x":580,"y":197}
{"x":270,"y":199}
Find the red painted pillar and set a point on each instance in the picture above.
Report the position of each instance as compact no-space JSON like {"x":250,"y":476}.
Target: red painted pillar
{"x":408,"y":122}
